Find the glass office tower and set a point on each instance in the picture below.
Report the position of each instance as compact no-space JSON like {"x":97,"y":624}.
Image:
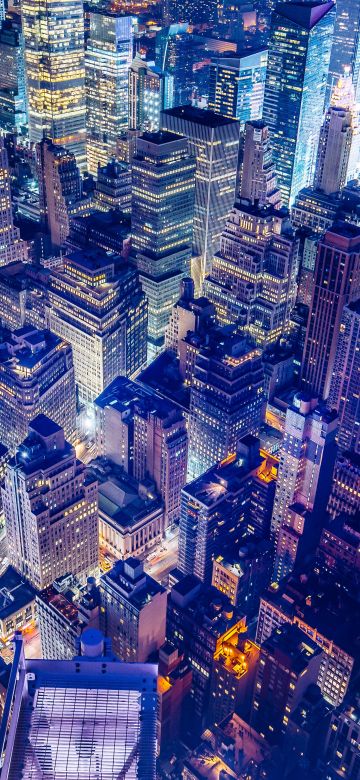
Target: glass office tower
{"x":54,"y":60}
{"x":345,"y":52}
{"x":108,"y":58}
{"x":298,"y":64}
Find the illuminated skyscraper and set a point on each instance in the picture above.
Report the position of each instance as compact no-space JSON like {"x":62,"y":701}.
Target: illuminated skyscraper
{"x":298,"y":63}
{"x":344,"y":393}
{"x":226,"y":399}
{"x":54,"y":59}
{"x":253,"y":276}
{"x":163,"y":183}
{"x":51,"y":508}
{"x":214,"y":142}
{"x":345,"y":52}
{"x":12,"y":247}
{"x":236,"y":86}
{"x":97,"y":301}
{"x":37,"y":375}
{"x":59,"y":187}
{"x":13,"y":110}
{"x":258,"y":175}
{"x":336,"y":283}
{"x":334,"y":151}
{"x":150,"y":91}
{"x":107,"y":61}
{"x":307,"y":458}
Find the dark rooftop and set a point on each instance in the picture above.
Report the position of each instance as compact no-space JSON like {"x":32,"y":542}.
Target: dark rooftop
{"x":199,"y":115}
{"x":305,"y":14}
{"x":15,"y":593}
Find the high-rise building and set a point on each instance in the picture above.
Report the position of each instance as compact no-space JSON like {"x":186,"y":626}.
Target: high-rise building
{"x":146,"y":435}
{"x":113,"y":187}
{"x":58,"y":713}
{"x":214,"y":513}
{"x":214,"y":142}
{"x":243,"y":574}
{"x":236,"y":86}
{"x":12,"y":248}
{"x":307,"y":457}
{"x":107,"y":61}
{"x":53,"y":528}
{"x":334,"y":151}
{"x":307,"y":600}
{"x":344,"y":96}
{"x":37,"y":376}
{"x":189,"y":314}
{"x":226,"y":399}
{"x":344,"y":389}
{"x":345,"y":490}
{"x":59,"y":188}
{"x":150,"y":92}
{"x":163,"y":184}
{"x":253,"y":276}
{"x":336,"y":284}
{"x":13,"y":109}
{"x":200,"y":623}
{"x":55,"y":76}
{"x":345,"y":50}
{"x":289,"y":662}
{"x":258,"y":175}
{"x":134,"y":615}
{"x":298,"y":63}
{"x":96,"y":303}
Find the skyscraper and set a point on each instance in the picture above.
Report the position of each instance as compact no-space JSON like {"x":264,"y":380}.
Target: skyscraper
{"x":344,"y":389}
{"x":59,"y":188}
{"x":12,"y":247}
{"x":298,"y":63}
{"x":96,"y":303}
{"x":334,"y":151}
{"x":214,"y":142}
{"x":163,"y":182}
{"x":37,"y":375}
{"x":258,"y":175}
{"x":336,"y":283}
{"x":58,"y":713}
{"x":253,"y":276}
{"x":13,"y":109}
{"x":226,"y":399}
{"x":236,"y":86}
{"x":289,"y":663}
{"x":307,"y":458}
{"x":54,"y":59}
{"x":107,"y":61}
{"x":150,"y":91}
{"x":345,"y":51}
{"x":53,"y":528}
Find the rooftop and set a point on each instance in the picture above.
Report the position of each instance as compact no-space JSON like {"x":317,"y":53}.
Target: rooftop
{"x":317,"y":601}
{"x":121,"y":497}
{"x":23,"y":350}
{"x":305,"y":14}
{"x":290,"y":641}
{"x":15,"y":593}
{"x":199,"y":116}
{"x":137,"y":587}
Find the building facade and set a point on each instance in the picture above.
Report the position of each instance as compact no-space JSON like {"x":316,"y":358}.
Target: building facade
{"x":37,"y":376}
{"x":344,"y":389}
{"x":53,"y":527}
{"x":97,"y":304}
{"x":163,"y":184}
{"x":107,"y":61}
{"x":214,"y":142}
{"x":236,"y":86}
{"x":12,"y":247}
{"x":55,"y":77}
{"x":59,"y":188}
{"x":298,"y":63}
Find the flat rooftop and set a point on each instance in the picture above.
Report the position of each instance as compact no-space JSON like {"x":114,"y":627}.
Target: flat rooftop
{"x":199,"y":116}
{"x":121,"y":498}
{"x":15,"y":593}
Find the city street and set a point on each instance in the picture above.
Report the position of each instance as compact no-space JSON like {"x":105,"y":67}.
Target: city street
{"x":164,"y":558}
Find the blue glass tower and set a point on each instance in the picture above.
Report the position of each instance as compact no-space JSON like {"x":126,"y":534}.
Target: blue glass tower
{"x":298,"y":64}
